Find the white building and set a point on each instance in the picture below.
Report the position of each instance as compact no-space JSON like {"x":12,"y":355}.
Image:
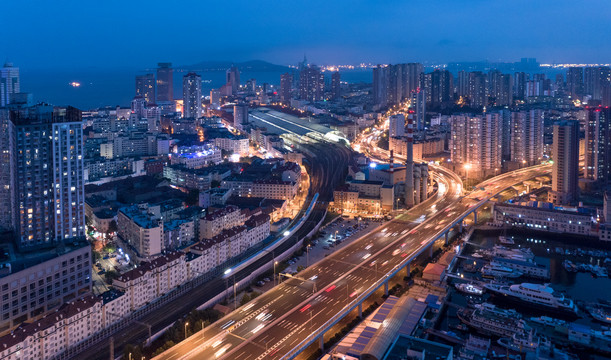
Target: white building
{"x":226,"y":218}
{"x":396,"y":125}
{"x":546,"y":218}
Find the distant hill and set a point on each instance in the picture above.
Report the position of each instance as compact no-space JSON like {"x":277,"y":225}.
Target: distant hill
{"x":250,"y":66}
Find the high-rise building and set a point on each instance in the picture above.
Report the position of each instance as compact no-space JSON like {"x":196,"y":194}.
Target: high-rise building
{"x":595,"y":79}
{"x":519,"y":85}
{"x":418,"y":103}
{"x":165,"y":82}
{"x":233,"y":79}
{"x":240,"y":116}
{"x":481,"y":154}
{"x":574,"y":82}
{"x":145,"y":87}
{"x":462,"y":86}
{"x":396,"y":125}
{"x":192,"y":96}
{"x":379,"y":86}
{"x":565,"y":170}
{"x":526,"y":143}
{"x":598,"y":145}
{"x":215,"y":99}
{"x":311,"y":84}
{"x":394,"y":83}
{"x":9,"y":83}
{"x":441,"y":87}
{"x":478,"y":89}
{"x":46,"y":174}
{"x":411,"y":73}
{"x":500,"y":88}
{"x":336,"y":86}
{"x":286,"y":87}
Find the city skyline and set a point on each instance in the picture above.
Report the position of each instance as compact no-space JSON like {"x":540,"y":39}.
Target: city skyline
{"x":337,"y":33}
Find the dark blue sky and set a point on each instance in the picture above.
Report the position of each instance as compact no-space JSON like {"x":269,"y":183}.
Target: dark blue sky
{"x":43,"y":34}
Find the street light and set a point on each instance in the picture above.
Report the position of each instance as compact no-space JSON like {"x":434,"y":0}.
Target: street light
{"x":467,"y":167}
{"x":275,"y":263}
{"x":186,"y":324}
{"x":308,"y":255}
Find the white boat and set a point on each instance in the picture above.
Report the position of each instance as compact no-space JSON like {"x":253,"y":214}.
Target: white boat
{"x":546,"y":320}
{"x":600,"y":314}
{"x":491,"y":320}
{"x":535,"y":296}
{"x":569,"y":266}
{"x":523,"y":342}
{"x":494,"y":270}
{"x":505,"y":240}
{"x":469,"y":289}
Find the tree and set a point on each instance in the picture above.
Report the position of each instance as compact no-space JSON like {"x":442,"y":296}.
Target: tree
{"x":193,"y":197}
{"x":245,"y":299}
{"x":112,"y":227}
{"x":110,"y":275}
{"x":135,"y":351}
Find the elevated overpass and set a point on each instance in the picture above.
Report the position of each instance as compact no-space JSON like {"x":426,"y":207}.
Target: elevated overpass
{"x":293,"y":317}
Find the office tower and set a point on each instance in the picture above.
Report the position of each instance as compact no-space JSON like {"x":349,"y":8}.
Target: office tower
{"x":379,"y":86}
{"x":519,"y":85}
{"x":565,"y":170}
{"x":251,"y":85}
{"x":526,"y":137}
{"x":145,"y":87}
{"x":286,"y":87}
{"x":598,"y":145}
{"x":574,"y":82}
{"x":336,"y":86}
{"x":411,"y":73}
{"x":409,"y":161}
{"x":240,"y":116}
{"x":595,"y":78}
{"x":441,"y":87}
{"x":138,"y":107}
{"x":9,"y":83}
{"x":165,"y":82}
{"x":478,"y":89}
{"x":311,"y":84}
{"x":192,"y":95}
{"x":396,"y":125}
{"x":233,"y":79}
{"x":476,"y":143}
{"x":418,"y":103}
{"x":47,"y":176}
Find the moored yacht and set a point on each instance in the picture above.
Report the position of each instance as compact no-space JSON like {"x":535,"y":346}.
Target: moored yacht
{"x":494,"y":269}
{"x":535,"y":295}
{"x":491,"y":320}
{"x":469,"y":289}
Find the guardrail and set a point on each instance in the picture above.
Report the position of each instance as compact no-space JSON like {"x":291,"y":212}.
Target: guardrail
{"x":360,"y":298}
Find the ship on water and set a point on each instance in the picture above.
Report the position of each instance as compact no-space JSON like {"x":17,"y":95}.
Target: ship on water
{"x":537,"y":296}
{"x":489,"y":319}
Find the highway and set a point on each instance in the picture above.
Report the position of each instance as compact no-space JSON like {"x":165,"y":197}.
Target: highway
{"x":275,"y":322}
{"x":323,"y":162}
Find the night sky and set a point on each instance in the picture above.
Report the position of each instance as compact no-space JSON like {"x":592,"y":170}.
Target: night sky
{"x":43,"y":34}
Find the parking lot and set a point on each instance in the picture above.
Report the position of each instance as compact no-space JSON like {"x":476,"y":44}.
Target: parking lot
{"x":333,"y":236}
{"x":117,"y":261}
